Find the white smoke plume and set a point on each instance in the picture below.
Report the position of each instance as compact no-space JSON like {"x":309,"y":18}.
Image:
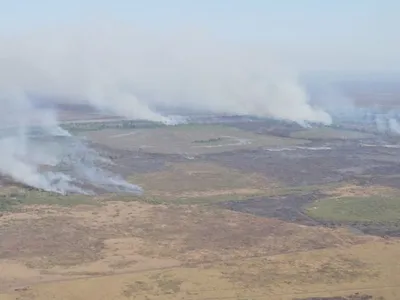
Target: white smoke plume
{"x":34,"y":149}
{"x":394,"y":126}
{"x":131,"y":73}
{"x":40,"y":154}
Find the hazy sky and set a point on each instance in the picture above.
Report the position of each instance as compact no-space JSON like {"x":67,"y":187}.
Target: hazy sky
{"x":313,"y":34}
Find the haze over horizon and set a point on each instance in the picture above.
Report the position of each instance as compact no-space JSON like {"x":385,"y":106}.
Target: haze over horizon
{"x":340,"y":35}
{"x":220,"y":56}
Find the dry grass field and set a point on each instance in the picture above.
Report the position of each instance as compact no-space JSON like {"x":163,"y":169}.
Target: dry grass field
{"x":195,"y":182}
{"x":58,"y":245}
{"x":133,"y":250}
{"x":206,"y":182}
{"x":328,"y":133}
{"x":76,"y":247}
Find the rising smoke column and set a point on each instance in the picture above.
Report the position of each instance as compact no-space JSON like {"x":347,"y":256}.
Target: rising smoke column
{"x":36,"y":151}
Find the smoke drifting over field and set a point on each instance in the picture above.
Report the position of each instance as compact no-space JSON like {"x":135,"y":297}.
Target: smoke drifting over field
{"x":132,"y":74}
{"x":136,"y":74}
{"x":35,"y":151}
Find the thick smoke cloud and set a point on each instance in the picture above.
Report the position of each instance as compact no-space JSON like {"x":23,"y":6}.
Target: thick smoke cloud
{"x":134,"y":73}
{"x":36,"y":151}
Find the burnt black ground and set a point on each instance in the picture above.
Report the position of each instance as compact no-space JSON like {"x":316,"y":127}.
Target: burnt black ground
{"x":287,"y":208}
{"x":313,"y":167}
{"x":126,"y":162}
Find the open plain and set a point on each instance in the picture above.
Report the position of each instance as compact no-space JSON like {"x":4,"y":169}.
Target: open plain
{"x":239,"y":210}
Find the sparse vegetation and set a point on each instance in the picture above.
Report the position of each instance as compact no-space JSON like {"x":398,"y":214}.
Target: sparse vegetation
{"x":318,"y":274}
{"x":200,"y":182}
{"x":15,"y":198}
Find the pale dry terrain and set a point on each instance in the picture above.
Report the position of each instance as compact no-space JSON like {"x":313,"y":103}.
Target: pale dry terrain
{"x":54,"y":246}
{"x":194,"y":181}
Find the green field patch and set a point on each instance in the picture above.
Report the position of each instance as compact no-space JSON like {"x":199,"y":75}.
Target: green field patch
{"x":15,"y":198}
{"x":374,"y":209}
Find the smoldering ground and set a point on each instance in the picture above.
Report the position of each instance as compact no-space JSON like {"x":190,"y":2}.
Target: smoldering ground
{"x":36,"y":151}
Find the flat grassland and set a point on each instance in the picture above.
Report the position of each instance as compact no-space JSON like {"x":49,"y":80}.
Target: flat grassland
{"x":372,"y":209}
{"x":357,"y":209}
{"x":109,"y":249}
{"x":188,"y":139}
{"x":134,"y":250}
{"x":200,"y":182}
{"x":167,"y":244}
{"x":11,"y":198}
{"x":327,"y":133}
{"x":208,"y":183}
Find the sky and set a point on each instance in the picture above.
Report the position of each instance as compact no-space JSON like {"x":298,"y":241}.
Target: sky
{"x":312,"y":34}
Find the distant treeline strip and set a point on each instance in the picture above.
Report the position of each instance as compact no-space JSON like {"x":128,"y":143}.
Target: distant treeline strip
{"x":119,"y":124}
